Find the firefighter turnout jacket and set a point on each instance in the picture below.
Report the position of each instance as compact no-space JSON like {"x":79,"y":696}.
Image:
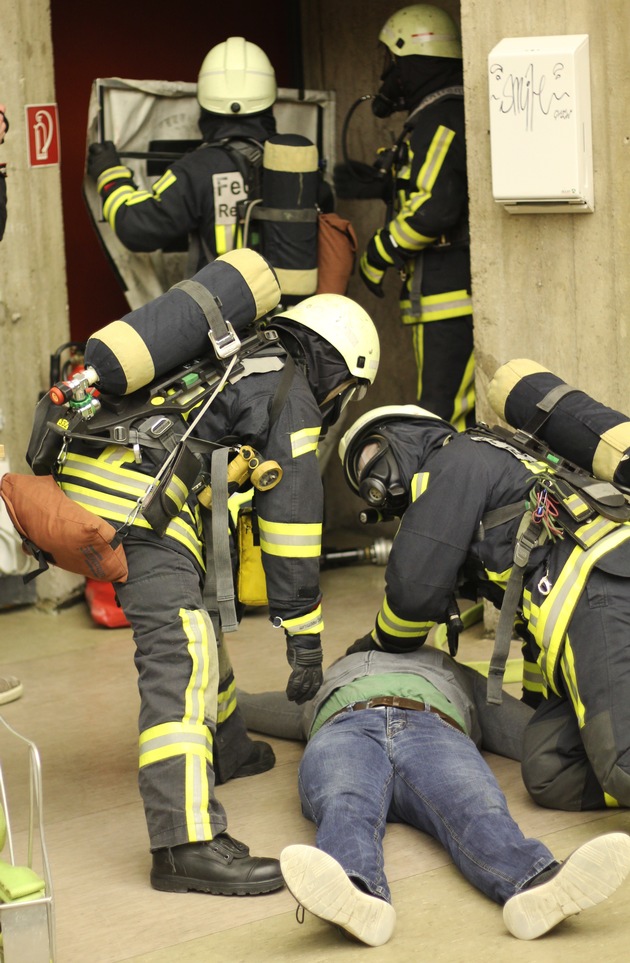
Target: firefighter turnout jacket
{"x":574,"y":613}
{"x":189,"y":721}
{"x":426,"y":237}
{"x":196,"y":195}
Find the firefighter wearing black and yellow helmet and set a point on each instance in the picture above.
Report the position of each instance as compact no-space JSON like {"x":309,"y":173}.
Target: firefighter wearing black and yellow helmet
{"x":482,"y":518}
{"x":278,"y":401}
{"x":424,"y":184}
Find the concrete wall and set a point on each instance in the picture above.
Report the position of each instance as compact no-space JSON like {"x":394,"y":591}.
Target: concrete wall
{"x":554,"y":287}
{"x":33,"y":300}
{"x":33,"y":308}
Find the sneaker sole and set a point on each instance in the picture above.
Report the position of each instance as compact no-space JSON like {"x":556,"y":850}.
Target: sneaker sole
{"x":321,"y":886}
{"x":588,"y":877}
{"x":183,"y":884}
{"x":10,"y":695}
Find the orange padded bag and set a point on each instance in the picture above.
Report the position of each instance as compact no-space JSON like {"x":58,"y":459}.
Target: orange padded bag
{"x":56,"y":530}
{"x":337,"y":246}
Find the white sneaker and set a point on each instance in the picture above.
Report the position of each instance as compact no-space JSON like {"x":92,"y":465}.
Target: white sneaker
{"x":589,"y":876}
{"x":10,"y":689}
{"x":321,"y":886}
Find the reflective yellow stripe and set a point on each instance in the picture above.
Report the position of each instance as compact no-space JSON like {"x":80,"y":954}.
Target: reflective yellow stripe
{"x":172,"y":739}
{"x":419,"y":484}
{"x":610,"y":801}
{"x":533,"y":679}
{"x":554,"y":614}
{"x":380,"y":247}
{"x":593,"y":531}
{"x":391,"y":624}
{"x":201,"y":649}
{"x":191,"y":738}
{"x":567,"y":664}
{"x":225,"y":238}
{"x":113,"y":174}
{"x":464,"y":400}
{"x":372,"y":273}
{"x":399,"y":228}
{"x":310,"y":623}
{"x":139,"y":197}
{"x":167,"y":178}
{"x":111,"y":492}
{"x":303,"y":441}
{"x":437,"y":307}
{"x":114,"y":202}
{"x":227,"y":702}
{"x":290,"y":540}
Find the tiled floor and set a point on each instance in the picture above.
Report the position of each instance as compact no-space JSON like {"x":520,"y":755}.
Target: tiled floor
{"x":80,"y":707}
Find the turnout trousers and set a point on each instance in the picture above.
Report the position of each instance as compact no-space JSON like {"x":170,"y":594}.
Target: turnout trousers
{"x":178,"y":677}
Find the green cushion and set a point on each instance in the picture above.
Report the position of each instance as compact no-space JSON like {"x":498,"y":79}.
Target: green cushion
{"x":19,"y":883}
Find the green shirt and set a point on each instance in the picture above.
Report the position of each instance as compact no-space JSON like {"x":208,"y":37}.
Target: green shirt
{"x":407,"y":685}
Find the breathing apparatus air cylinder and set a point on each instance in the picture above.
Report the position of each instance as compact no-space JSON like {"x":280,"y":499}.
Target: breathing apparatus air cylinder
{"x":287,"y":213}
{"x":534,"y":400}
{"x":225,"y":297}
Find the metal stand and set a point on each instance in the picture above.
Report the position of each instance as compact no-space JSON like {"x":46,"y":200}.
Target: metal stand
{"x":27,"y":918}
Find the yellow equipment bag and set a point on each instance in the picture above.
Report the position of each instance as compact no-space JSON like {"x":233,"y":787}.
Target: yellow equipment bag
{"x":252,"y":585}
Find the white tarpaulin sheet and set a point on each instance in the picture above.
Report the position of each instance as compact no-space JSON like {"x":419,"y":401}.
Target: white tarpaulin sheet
{"x":143,"y":115}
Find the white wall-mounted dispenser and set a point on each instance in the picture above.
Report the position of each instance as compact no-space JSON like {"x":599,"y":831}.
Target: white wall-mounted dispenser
{"x":540,"y":124}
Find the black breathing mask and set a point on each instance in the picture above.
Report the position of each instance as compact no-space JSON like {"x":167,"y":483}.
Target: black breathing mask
{"x":378,"y":478}
{"x":389,"y":97}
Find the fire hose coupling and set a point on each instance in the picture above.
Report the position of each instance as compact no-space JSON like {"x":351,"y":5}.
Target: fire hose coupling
{"x":76,"y":392}
{"x":246,"y":466}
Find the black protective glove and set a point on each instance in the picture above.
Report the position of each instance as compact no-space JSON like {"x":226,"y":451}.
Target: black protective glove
{"x":100,"y":158}
{"x":365,"y":644}
{"x":358,"y":181}
{"x":305,"y":656}
{"x":381,"y":252}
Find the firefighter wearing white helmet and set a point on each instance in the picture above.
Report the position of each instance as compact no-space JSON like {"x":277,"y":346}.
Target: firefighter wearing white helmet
{"x":369,"y":460}
{"x":279,"y":401}
{"x":486,"y":515}
{"x":236,"y":77}
{"x":199,"y":196}
{"x":424,"y":185}
{"x":346,"y":327}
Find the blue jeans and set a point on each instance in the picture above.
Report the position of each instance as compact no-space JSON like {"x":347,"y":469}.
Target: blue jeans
{"x":364,"y":769}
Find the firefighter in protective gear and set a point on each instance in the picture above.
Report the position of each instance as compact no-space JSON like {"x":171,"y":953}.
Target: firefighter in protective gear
{"x":327,"y":349}
{"x":462,"y":498}
{"x":197,"y":195}
{"x":425,"y":236}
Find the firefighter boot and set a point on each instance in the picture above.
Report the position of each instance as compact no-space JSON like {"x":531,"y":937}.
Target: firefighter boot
{"x":221,"y":866}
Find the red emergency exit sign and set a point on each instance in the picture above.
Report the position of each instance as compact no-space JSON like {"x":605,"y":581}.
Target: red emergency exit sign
{"x":42,"y":127}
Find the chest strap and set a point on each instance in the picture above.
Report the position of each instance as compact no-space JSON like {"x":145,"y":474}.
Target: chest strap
{"x":529,"y":535}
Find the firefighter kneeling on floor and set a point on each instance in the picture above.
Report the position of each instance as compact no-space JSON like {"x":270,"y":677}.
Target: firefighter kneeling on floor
{"x":279,"y":399}
{"x":481,"y":518}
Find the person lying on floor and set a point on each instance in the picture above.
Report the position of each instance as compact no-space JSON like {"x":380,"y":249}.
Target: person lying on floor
{"x":397,"y":738}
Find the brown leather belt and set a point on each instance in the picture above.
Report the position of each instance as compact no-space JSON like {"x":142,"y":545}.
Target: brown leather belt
{"x":397,"y":702}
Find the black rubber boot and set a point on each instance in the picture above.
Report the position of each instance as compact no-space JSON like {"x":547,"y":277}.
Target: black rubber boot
{"x":221,"y":866}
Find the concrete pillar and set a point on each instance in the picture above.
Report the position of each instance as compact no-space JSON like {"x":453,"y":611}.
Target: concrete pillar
{"x":33,"y":298}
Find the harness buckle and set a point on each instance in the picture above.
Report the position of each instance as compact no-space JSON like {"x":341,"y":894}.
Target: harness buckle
{"x":226,"y":344}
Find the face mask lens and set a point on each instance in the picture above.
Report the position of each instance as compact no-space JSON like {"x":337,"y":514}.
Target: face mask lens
{"x":367,"y":455}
